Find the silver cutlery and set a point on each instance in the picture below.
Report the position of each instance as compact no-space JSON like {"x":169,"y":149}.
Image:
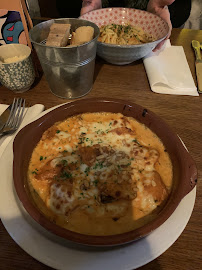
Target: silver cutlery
{"x":15,"y":117}
{"x":4,"y":116}
{"x":198,"y":63}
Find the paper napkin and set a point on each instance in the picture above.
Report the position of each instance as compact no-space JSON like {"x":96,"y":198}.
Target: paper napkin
{"x":168,"y":71}
{"x":29,"y":114}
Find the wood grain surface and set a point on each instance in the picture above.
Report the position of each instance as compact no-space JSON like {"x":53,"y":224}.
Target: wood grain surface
{"x":182,"y":113}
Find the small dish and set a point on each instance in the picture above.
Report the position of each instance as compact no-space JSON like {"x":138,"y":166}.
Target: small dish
{"x":16,"y":67}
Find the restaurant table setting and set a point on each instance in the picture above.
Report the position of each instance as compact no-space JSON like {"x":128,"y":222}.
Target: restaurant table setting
{"x":56,"y":252}
{"x":171,"y":80}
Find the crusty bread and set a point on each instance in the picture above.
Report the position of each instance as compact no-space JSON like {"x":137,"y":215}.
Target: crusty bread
{"x":82,"y":35}
{"x":58,"y":35}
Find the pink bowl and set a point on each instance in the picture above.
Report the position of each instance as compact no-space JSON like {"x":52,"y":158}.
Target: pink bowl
{"x":125,"y":54}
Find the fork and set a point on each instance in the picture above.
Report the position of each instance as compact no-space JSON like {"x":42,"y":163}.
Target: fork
{"x":15,"y":117}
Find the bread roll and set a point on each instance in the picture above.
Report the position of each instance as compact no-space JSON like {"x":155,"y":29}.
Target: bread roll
{"x":82,"y":35}
{"x":58,"y":35}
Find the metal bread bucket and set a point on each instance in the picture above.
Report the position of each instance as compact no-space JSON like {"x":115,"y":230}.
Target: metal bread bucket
{"x":68,"y":70}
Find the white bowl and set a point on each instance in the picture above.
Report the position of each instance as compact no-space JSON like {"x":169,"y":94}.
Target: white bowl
{"x":125,"y":54}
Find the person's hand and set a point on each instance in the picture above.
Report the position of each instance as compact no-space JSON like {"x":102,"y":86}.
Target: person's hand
{"x":89,"y":5}
{"x":160,"y":8}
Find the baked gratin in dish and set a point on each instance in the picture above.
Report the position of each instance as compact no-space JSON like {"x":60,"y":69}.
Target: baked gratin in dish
{"x":101,"y":171}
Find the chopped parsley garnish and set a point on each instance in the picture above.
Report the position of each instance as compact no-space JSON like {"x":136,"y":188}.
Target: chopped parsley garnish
{"x":127,"y":29}
{"x":136,"y":36}
{"x":98,"y":165}
{"x":64,"y":162}
{"x":81,"y":140}
{"x":95,"y":182}
{"x":41,"y":158}
{"x":97,"y":131}
{"x":66,"y":175}
{"x":128,"y":164}
{"x":58,"y":131}
{"x":87,"y":170}
{"x":119,"y":167}
{"x":35,"y":171}
{"x":136,"y":141}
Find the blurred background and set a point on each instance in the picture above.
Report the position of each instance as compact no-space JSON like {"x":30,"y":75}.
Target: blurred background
{"x":184,"y":13}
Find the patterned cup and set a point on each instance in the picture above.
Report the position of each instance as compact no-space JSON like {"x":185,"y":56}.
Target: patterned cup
{"x":16,"y":67}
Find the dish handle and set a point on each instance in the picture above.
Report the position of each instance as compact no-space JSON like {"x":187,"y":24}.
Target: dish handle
{"x":190,"y":173}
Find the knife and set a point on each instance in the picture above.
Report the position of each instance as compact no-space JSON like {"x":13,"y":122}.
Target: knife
{"x":198,"y":63}
{"x":4,"y":116}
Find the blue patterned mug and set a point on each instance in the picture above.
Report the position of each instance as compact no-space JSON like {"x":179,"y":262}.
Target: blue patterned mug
{"x":16,"y":67}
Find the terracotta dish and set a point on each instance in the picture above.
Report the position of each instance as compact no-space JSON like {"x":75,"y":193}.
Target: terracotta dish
{"x":125,"y":54}
{"x":184,"y":168}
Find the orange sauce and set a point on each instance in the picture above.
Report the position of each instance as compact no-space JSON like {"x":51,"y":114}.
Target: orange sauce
{"x":91,"y":216}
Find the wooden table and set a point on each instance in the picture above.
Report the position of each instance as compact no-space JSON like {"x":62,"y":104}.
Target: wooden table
{"x":182,"y":113}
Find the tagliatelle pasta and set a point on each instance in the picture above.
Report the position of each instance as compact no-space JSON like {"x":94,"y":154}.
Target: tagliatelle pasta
{"x":123,"y":34}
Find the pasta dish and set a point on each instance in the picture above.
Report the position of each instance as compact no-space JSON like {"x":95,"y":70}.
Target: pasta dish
{"x":100,"y":174}
{"x":123,"y":34}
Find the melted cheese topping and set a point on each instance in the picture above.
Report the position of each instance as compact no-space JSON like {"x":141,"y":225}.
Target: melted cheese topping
{"x":100,"y":173}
